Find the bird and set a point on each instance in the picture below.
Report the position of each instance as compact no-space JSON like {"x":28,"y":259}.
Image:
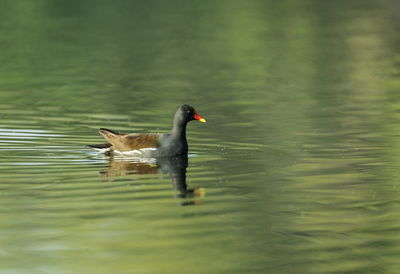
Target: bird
{"x":151,"y":144}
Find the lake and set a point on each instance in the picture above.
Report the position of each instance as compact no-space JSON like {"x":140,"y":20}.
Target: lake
{"x":295,"y":171}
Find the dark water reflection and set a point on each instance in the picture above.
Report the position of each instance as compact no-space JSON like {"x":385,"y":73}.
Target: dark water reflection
{"x":299,"y":158}
{"x":175,"y":167}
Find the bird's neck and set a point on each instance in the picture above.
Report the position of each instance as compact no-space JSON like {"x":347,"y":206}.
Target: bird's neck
{"x":179,"y":129}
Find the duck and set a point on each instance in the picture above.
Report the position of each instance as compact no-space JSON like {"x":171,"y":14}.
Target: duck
{"x":151,"y":144}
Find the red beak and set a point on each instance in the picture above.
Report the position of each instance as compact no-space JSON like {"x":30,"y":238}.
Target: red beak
{"x":199,"y":118}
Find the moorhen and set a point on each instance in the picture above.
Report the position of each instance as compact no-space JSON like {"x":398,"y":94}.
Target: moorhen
{"x":152,"y":144}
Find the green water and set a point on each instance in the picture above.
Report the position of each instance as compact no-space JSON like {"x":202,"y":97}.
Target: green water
{"x":296,"y":170}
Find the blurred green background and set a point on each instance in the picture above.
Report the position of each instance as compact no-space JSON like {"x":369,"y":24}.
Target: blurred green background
{"x":295,"y":171}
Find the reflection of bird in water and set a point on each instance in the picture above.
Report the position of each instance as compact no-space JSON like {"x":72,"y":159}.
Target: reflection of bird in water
{"x":174,"y":166}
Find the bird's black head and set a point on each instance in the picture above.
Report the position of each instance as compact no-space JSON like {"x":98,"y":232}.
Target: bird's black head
{"x":188,"y":113}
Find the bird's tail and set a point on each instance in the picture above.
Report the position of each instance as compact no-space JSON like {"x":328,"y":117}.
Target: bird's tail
{"x":109,"y":135}
{"x":100,"y":146}
{"x":108,"y":131}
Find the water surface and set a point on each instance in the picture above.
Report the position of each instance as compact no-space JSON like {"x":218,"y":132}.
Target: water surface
{"x":295,"y":171}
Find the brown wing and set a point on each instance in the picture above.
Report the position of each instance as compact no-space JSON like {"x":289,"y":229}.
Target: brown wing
{"x":127,"y":142}
{"x":139,"y":140}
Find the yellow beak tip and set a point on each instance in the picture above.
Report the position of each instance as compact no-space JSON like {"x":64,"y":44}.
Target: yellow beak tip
{"x":202,"y":120}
